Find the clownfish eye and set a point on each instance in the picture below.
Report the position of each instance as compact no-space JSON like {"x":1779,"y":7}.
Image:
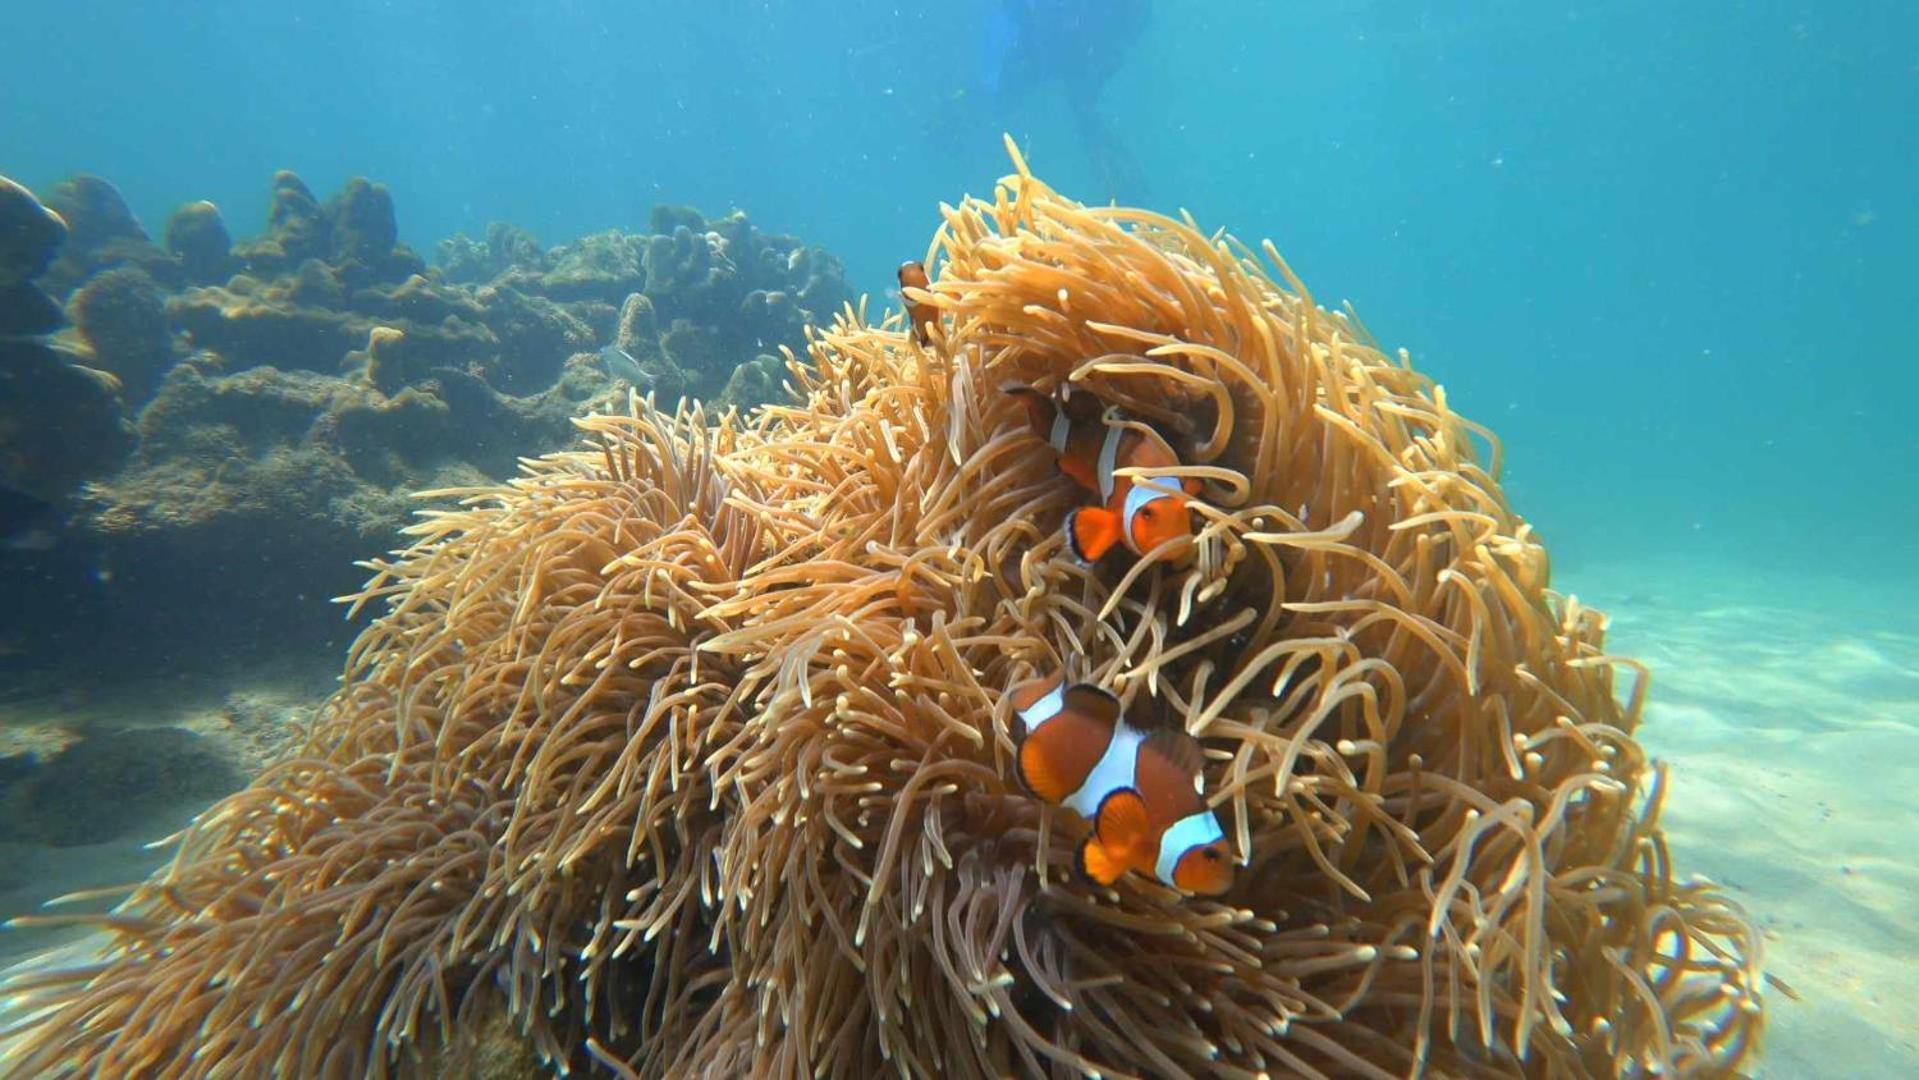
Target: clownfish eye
{"x":1211,"y":854}
{"x":1148,"y":512}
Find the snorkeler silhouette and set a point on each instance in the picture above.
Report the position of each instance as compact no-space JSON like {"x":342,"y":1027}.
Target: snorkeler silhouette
{"x":1025,"y":46}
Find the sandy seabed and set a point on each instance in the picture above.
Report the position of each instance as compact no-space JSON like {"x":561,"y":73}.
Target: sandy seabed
{"x":1788,"y":709}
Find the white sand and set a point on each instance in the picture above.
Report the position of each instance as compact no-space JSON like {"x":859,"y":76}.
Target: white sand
{"x":1789,"y":711}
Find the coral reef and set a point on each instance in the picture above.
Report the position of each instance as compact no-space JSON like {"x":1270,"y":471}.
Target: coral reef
{"x":284,"y":392}
{"x":122,"y":319}
{"x":30,"y":235}
{"x":61,"y":422}
{"x":689,"y":751}
{"x":198,"y":237}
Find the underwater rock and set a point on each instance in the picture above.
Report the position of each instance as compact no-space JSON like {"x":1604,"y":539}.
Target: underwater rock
{"x":366,"y":237}
{"x":296,"y":231}
{"x":264,"y":404}
{"x":26,"y":311}
{"x":687,"y":266}
{"x":198,"y":237}
{"x":418,"y":299}
{"x":701,"y":352}
{"x":605,"y":266}
{"x":535,"y":336}
{"x":638,"y":332}
{"x":110,"y":783}
{"x":102,"y":233}
{"x":506,"y":248}
{"x":363,"y":224}
{"x":30,"y":234}
{"x":266,"y":453}
{"x":753,"y":383}
{"x":95,"y":212}
{"x":667,"y":217}
{"x":386,"y":367}
{"x":252,"y":329}
{"x":60,"y":422}
{"x":123,"y":320}
{"x":234,"y":464}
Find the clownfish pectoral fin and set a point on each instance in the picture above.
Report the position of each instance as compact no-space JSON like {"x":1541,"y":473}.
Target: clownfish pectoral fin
{"x":1091,"y":532}
{"x":1121,"y":821}
{"x":1098,"y":864}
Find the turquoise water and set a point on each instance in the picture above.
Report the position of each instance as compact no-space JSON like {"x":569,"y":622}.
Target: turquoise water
{"x":1665,"y":251}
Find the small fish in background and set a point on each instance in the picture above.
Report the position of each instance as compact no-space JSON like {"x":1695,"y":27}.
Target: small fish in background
{"x":1089,"y":450}
{"x":621,"y":365}
{"x":1141,"y":790}
{"x":922,"y":315}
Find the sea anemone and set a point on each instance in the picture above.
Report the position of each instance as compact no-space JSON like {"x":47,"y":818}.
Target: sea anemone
{"x":690,"y":750}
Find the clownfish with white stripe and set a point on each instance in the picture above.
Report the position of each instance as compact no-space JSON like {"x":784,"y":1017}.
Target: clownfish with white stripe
{"x":1089,"y":450}
{"x":1141,"y":790}
{"x":921,"y":316}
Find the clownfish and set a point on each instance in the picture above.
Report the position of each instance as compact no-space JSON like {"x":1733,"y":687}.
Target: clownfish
{"x":921,"y":315}
{"x":1089,"y":450}
{"x":1140,"y":790}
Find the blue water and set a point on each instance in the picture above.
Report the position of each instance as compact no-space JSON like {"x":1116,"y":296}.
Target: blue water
{"x":1663,"y":249}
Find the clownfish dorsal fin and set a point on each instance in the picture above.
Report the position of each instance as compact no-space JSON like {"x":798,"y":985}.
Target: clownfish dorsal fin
{"x":1180,"y":750}
{"x":1092,"y":702}
{"x":1040,"y":408}
{"x":1027,"y":694}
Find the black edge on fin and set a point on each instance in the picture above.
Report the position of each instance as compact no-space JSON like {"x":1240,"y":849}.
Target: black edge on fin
{"x":1095,"y":701}
{"x":1072,"y":542}
{"x":1079,"y":860}
{"x":1099,"y":812}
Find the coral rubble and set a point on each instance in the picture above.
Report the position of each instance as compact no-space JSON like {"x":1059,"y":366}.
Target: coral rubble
{"x":688,"y":752}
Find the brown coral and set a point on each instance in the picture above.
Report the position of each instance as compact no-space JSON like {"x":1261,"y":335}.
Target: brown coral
{"x":692,"y":747}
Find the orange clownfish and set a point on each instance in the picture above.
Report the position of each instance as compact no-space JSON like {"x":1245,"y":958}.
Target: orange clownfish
{"x":919,"y":314}
{"x":1140,"y":790}
{"x":1089,"y":450}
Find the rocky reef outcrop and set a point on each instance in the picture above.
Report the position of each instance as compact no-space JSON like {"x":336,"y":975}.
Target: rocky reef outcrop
{"x":241,"y":418}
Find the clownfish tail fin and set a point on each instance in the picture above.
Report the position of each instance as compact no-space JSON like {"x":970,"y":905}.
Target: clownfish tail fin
{"x":1091,"y":532}
{"x":1096,"y":864}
